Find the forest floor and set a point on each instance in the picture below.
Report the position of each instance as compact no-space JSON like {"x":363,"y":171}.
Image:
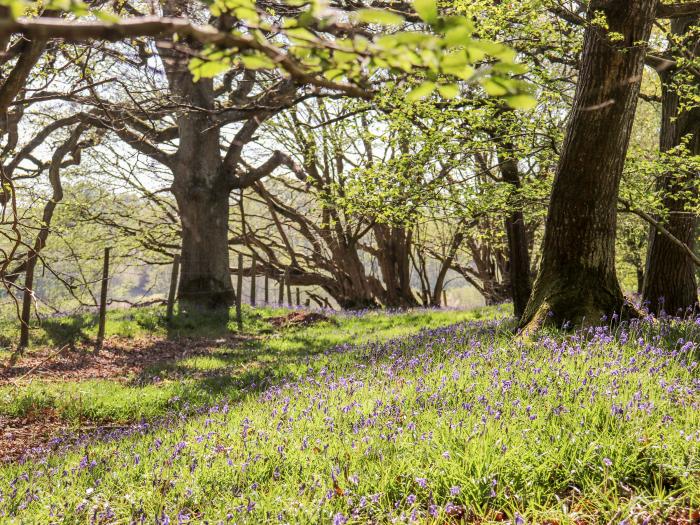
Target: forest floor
{"x":416,"y":417}
{"x":61,"y":391}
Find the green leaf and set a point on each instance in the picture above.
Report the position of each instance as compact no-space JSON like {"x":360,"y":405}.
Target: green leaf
{"x":342,"y":57}
{"x":494,"y":88}
{"x":247,"y":14}
{"x":257,"y":62}
{"x":207,"y":68}
{"x":378,"y":16}
{"x":106,"y":16}
{"x":458,"y":36}
{"x":521,"y":101}
{"x":427,"y":10}
{"x":301,"y":33}
{"x":422,"y":91}
{"x":448,"y":91}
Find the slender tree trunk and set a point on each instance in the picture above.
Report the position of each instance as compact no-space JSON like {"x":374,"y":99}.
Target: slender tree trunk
{"x":577,"y":281}
{"x":518,"y":253}
{"x":640,"y":281}
{"x":670,"y":284}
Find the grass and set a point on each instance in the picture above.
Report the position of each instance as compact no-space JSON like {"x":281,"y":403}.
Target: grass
{"x":225,"y":372}
{"x":454,"y":423}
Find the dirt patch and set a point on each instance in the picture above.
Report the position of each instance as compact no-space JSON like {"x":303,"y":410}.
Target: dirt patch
{"x":19,"y":434}
{"x":119,"y":359}
{"x":298,"y":319}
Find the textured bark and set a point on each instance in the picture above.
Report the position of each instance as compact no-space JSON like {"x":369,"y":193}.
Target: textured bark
{"x":199,"y":184}
{"x":577,"y":282}
{"x":670,"y":285}
{"x":518,"y":253}
{"x":202,"y":193}
{"x":393,"y":255}
{"x":205,"y":278}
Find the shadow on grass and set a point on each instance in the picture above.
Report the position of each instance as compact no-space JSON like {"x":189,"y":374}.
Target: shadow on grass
{"x":60,"y":331}
{"x":257,"y":364}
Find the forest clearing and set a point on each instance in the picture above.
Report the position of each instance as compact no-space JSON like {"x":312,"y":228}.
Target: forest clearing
{"x":349,"y":261}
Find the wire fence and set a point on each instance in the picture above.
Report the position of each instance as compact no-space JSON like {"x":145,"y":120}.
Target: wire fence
{"x":127,"y":283}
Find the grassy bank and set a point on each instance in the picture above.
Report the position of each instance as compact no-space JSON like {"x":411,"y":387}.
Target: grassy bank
{"x":455,"y":423}
{"x":226,"y":370}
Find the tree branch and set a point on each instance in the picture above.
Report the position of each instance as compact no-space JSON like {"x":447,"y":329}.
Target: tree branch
{"x":659,"y":227}
{"x":678,"y":9}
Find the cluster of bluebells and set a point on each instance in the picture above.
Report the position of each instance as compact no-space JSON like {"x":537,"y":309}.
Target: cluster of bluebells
{"x":435,"y":427}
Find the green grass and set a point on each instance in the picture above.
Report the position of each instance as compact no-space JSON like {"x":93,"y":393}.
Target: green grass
{"x":453,"y":423}
{"x":132,"y":323}
{"x":225,"y":372}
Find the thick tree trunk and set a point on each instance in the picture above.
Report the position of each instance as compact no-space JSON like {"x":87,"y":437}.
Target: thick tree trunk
{"x":200,"y":186}
{"x":577,"y":281}
{"x":393,"y":255}
{"x":670,"y":284}
{"x":354,"y":291}
{"x":205,"y":275}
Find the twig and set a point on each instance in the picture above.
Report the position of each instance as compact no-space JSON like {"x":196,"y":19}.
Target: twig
{"x":663,"y":231}
{"x":16,"y":381}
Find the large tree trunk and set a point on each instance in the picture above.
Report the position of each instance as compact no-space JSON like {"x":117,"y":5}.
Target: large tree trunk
{"x":393,"y":255}
{"x":577,"y":280}
{"x":200,"y":186}
{"x":670,"y":283}
{"x":354,"y":290}
{"x":205,"y":275}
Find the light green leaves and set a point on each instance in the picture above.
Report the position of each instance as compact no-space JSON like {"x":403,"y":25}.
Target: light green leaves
{"x":208,"y":68}
{"x":378,"y":16}
{"x":242,"y":9}
{"x":257,"y":61}
{"x":428,"y":60}
{"x":422,"y":91}
{"x":427,"y":10}
{"x":449,"y":91}
{"x":521,"y":101}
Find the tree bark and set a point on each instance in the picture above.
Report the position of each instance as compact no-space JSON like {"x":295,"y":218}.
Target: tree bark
{"x":393,"y":248}
{"x":516,"y":232}
{"x":577,"y":282}
{"x":205,"y":276}
{"x":670,"y":285}
{"x":200,"y":185}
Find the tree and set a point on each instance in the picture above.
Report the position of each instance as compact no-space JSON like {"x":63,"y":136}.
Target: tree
{"x":182,"y":126}
{"x":670,"y":283}
{"x":576,"y":281}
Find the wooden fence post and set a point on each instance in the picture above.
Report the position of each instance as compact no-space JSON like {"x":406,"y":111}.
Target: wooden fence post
{"x":298,"y":297}
{"x":239,"y":293}
{"x":103,"y":302}
{"x":27,"y":301}
{"x":253,"y":265}
{"x":289,"y":287}
{"x":280,"y":290}
{"x":173,"y":288}
{"x":267,"y":290}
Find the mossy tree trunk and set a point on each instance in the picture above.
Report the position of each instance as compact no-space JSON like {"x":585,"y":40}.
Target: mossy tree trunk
{"x":577,"y":280}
